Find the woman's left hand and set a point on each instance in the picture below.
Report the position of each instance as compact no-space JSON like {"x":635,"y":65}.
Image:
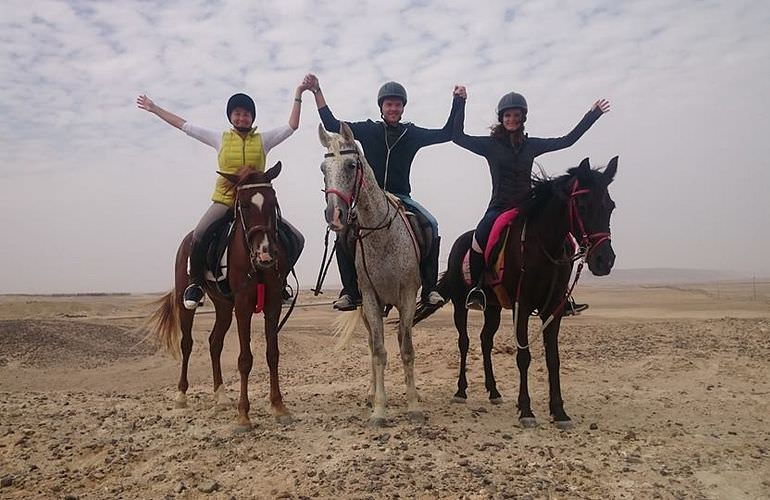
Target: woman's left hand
{"x":603,"y":105}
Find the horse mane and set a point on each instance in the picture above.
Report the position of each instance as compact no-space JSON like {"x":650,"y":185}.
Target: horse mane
{"x":544,"y":188}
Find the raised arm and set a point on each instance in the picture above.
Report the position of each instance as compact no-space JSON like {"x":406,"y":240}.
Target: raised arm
{"x":330,"y":122}
{"x":474,"y":144}
{"x":145,"y":103}
{"x":540,"y":145}
{"x":297,"y":107}
{"x":426,"y":137}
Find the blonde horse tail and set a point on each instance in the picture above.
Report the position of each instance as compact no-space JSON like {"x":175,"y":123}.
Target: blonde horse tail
{"x":345,"y":325}
{"x":163,"y":324}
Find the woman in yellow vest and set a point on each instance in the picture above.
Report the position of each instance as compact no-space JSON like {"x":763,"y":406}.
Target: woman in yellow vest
{"x":238,"y":147}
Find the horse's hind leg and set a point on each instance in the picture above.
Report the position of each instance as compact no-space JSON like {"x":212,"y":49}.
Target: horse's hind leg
{"x":186,"y":323}
{"x":406,"y":317}
{"x":556,"y":404}
{"x":224,"y":317}
{"x":461,"y":324}
{"x":491,"y":324}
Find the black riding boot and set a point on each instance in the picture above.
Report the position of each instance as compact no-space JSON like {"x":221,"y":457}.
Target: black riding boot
{"x":429,"y":275}
{"x":350,"y":297}
{"x":193,"y":294}
{"x":476,"y":299}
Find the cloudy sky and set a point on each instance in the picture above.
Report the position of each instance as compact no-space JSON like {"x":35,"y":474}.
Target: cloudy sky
{"x":96,"y":194}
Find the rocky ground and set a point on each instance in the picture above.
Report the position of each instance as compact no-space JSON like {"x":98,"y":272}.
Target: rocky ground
{"x":669,"y":389}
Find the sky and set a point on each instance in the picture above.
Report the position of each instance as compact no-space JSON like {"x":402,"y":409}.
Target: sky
{"x":95,"y":194}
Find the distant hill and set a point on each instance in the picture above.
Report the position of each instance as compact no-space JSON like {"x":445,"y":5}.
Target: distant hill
{"x":663,"y":275}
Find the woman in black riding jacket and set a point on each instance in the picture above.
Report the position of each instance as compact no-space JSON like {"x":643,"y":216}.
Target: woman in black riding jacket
{"x":510,"y":154}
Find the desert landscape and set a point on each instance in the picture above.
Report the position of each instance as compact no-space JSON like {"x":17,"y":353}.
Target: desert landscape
{"x":668,"y":386}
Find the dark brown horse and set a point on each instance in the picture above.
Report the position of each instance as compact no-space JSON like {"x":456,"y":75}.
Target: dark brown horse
{"x":577,"y":203}
{"x":256,"y":259}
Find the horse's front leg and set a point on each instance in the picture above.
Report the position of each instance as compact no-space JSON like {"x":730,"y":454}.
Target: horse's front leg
{"x":551,"y":343}
{"x":373,"y":315}
{"x":523,"y":358}
{"x":406,"y":317}
{"x":272,"y":315}
{"x":185,"y":323}
{"x":491,"y":324}
{"x":460,"y":316}
{"x":244,"y":307}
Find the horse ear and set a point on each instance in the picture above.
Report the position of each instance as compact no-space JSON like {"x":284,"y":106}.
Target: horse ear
{"x":585,"y":164}
{"x":273,"y":172}
{"x":323,"y":136}
{"x":230,"y":177}
{"x":347,"y":134}
{"x":611,"y":170}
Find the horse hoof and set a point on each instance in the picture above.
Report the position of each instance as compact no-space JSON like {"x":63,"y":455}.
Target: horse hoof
{"x":284,"y":419}
{"x":564,"y":425}
{"x":459,"y":400}
{"x":528,"y":422}
{"x":377,"y":422}
{"x":416,"y":417}
{"x":180,"y":401}
{"x":496,"y":401}
{"x":241,"y":428}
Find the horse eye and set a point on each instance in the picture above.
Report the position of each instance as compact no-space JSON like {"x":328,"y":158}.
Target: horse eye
{"x":350,"y":165}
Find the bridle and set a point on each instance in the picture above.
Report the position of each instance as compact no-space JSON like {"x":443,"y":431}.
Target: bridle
{"x":586,"y":242}
{"x":350,"y":199}
{"x":270,"y":229}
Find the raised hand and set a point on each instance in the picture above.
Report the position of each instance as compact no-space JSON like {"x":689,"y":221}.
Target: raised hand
{"x":603,"y":105}
{"x":460,"y":91}
{"x":311,"y":81}
{"x":145,"y":103}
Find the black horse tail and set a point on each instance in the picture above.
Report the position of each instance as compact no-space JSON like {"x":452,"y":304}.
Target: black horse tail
{"x":451,"y":285}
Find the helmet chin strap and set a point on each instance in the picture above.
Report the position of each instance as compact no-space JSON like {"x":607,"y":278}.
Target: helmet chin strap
{"x":243,"y":129}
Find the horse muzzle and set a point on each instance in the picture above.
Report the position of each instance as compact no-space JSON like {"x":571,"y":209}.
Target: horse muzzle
{"x":602,"y":259}
{"x":336,"y":216}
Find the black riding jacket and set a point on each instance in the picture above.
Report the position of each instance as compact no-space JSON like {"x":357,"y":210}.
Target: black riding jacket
{"x":511,"y":167}
{"x":390,"y":150}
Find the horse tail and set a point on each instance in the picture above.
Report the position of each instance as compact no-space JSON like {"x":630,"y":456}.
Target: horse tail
{"x":163,"y":324}
{"x":451,"y":284}
{"x":344,"y":326}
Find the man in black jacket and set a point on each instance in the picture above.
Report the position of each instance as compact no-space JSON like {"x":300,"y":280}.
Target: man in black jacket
{"x":389,"y":147}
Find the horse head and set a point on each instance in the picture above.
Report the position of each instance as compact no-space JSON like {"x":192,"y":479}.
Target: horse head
{"x":257,"y":213}
{"x":342,"y":167}
{"x":590,"y":211}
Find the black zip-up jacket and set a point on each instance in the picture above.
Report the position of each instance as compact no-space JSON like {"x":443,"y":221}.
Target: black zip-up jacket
{"x":511,"y":167}
{"x":390,"y":150}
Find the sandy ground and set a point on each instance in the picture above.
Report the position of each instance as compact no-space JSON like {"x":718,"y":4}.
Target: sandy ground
{"x":669,"y":388}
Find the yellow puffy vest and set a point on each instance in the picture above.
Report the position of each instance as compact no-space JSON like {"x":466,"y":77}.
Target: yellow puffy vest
{"x":234,"y":153}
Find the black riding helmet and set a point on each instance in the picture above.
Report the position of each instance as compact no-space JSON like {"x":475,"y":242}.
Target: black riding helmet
{"x":241,"y":101}
{"x":511,"y":100}
{"x":391,"y":89}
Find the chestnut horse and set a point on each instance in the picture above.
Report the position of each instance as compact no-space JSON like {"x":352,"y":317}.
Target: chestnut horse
{"x":576,"y":204}
{"x":256,"y":263}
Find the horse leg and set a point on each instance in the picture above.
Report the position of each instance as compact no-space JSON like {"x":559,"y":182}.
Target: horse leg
{"x":373,"y":313}
{"x":406,"y":316}
{"x":186,"y":317}
{"x":461,"y":324}
{"x":244,"y":306}
{"x":224,"y":317}
{"x":373,"y":377}
{"x":491,"y":324}
{"x":523,"y":358}
{"x":551,"y":343}
{"x":272,"y":315}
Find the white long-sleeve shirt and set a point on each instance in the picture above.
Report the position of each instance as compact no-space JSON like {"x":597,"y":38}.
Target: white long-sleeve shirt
{"x":270,"y":138}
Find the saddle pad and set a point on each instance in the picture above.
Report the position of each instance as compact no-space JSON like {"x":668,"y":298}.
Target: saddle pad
{"x":503,"y":220}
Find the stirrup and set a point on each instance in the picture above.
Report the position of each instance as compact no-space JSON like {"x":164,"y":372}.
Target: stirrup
{"x":476,"y":299}
{"x":193,"y":296}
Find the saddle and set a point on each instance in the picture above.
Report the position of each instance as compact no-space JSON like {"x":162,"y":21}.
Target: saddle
{"x":219,"y":241}
{"x":418,"y":225}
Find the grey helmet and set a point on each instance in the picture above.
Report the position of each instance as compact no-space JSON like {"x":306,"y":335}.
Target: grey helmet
{"x":391,"y":89}
{"x":509,"y":101}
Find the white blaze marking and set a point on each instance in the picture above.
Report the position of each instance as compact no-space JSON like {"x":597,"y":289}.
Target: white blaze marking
{"x":258,"y":200}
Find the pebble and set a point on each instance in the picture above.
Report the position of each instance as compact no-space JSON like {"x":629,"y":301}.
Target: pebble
{"x":593,"y":426}
{"x":6,"y":481}
{"x":208,"y":487}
